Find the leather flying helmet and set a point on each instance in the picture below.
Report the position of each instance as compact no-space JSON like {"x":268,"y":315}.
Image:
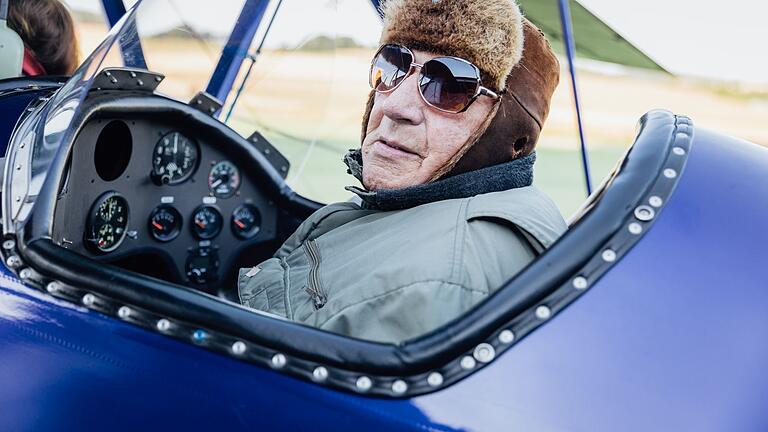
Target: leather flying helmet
{"x":514,"y":59}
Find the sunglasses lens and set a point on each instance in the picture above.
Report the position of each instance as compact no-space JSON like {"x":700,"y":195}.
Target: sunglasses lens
{"x":390,"y":67}
{"x":448,"y":83}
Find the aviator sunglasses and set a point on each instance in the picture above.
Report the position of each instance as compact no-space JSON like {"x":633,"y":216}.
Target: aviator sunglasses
{"x":449,"y":84}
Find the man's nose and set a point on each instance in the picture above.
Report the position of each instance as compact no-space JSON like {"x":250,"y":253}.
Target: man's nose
{"x":404,"y":104}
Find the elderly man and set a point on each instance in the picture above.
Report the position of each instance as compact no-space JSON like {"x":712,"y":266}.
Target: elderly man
{"x":447,"y":212}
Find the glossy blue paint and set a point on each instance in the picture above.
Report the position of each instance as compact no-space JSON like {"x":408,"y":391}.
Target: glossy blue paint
{"x":12,"y":106}
{"x":669,"y":339}
{"x":236,"y":49}
{"x":113,"y":11}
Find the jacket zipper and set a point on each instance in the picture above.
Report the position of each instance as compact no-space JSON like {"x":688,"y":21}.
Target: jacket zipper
{"x":314,"y":288}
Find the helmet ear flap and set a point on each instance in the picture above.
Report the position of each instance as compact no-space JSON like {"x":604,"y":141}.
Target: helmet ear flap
{"x":367,"y":115}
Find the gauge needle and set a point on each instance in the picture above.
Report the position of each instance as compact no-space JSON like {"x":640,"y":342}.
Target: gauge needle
{"x":176,"y":144}
{"x":240,"y":224}
{"x":216,"y":183}
{"x":200,"y":223}
{"x":157,"y":225}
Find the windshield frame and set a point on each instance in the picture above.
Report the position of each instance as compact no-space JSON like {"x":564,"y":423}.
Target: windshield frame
{"x":38,"y":132}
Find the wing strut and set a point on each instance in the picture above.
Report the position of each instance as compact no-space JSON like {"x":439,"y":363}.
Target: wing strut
{"x":570,"y":50}
{"x":252,"y":58}
{"x":236,"y":50}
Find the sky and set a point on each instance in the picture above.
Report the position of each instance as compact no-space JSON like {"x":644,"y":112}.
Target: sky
{"x":690,"y":37}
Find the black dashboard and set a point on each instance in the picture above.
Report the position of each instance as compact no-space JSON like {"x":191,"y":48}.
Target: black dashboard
{"x":161,"y":195}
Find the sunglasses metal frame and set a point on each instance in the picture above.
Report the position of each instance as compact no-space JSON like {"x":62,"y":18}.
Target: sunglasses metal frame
{"x":481,"y":90}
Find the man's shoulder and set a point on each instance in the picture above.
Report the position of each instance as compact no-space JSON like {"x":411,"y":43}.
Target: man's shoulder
{"x":528,"y":208}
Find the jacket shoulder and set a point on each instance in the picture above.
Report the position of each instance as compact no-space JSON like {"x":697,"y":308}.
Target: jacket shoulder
{"x":527,"y":208}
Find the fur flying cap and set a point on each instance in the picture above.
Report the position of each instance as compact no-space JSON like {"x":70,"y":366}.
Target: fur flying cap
{"x":488,"y":33}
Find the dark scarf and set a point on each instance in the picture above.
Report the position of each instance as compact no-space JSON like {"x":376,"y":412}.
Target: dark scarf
{"x":510,"y":175}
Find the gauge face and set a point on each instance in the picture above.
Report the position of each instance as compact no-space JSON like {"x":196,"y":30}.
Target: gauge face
{"x":246,"y":221}
{"x":202,"y":265}
{"x":165,"y":223}
{"x":207,"y":222}
{"x":224,"y":179}
{"x":174,"y":159}
{"x":107,"y":222}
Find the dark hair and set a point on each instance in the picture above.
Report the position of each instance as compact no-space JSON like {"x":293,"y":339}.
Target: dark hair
{"x":47,"y":29}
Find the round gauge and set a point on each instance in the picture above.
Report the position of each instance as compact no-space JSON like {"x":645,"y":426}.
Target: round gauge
{"x":107,"y":222}
{"x":174,"y":159}
{"x":165,"y":223}
{"x":207,"y":222}
{"x":246,"y":221}
{"x":224,"y":179}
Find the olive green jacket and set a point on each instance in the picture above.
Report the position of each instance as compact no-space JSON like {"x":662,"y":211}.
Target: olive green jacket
{"x":389,"y":276}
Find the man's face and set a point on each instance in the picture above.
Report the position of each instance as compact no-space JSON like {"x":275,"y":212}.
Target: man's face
{"x":408,"y":141}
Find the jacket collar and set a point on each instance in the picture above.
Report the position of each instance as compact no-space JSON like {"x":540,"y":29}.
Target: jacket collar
{"x":510,"y":175}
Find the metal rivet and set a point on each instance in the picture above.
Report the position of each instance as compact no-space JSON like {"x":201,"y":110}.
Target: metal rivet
{"x":163,"y":325}
{"x":124,"y":312}
{"x":18,"y":167}
{"x":52,"y":287}
{"x":199,"y":336}
{"x":140,"y":83}
{"x":89,"y":299}
{"x":278,"y":361}
{"x":644,"y":213}
{"x":670,"y":173}
{"x":580,"y":283}
{"x":678,"y":151}
{"x":655,"y":201}
{"x":484,"y":353}
{"x":363,"y":383}
{"x":468,"y":362}
{"x":609,"y":255}
{"x":18,"y":198}
{"x":506,"y":336}
{"x":238,"y":348}
{"x":158,"y":79}
{"x":399,"y":387}
{"x":435,"y":379}
{"x":25,"y":273}
{"x":107,"y":73}
{"x":635,"y":228}
{"x":320,"y":374}
{"x":543,"y":312}
{"x":9,"y":244}
{"x":13,"y":261}
{"x":113,"y":80}
{"x":133,"y":74}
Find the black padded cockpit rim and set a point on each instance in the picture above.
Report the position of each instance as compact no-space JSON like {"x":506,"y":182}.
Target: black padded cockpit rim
{"x":643,"y":183}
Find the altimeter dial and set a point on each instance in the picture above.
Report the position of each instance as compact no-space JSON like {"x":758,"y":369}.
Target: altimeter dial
{"x":107,"y":222}
{"x":174,"y":159}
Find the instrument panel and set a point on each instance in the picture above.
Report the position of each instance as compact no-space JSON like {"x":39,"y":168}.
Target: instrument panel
{"x":170,"y":201}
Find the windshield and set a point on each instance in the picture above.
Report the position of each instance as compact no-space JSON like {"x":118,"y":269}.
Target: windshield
{"x":307,"y":91}
{"x":156,"y":35}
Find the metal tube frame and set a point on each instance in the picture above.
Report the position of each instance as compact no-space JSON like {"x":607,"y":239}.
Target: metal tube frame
{"x":236,"y":49}
{"x":570,"y":51}
{"x":133,"y":56}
